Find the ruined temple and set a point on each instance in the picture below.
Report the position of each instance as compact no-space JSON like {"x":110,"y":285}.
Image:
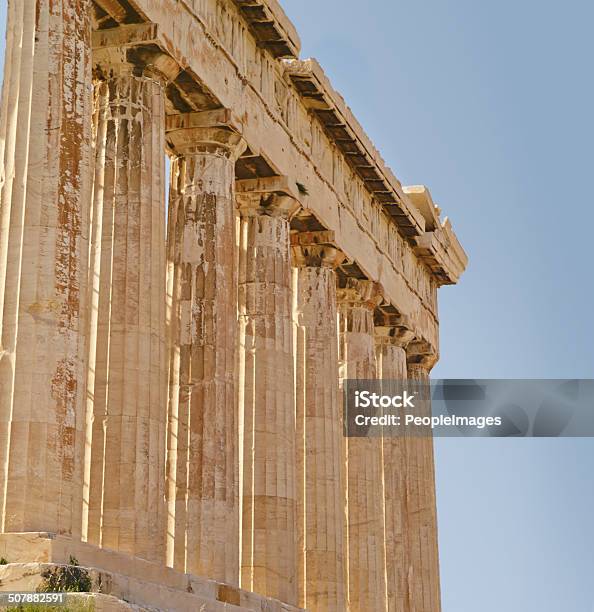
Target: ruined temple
{"x":171,"y":365}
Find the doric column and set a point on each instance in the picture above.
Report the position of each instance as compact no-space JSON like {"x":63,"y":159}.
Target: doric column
{"x":45,"y":144}
{"x":203,"y":508}
{"x":320,"y":492}
{"x":127,"y":352}
{"x":364,"y":479}
{"x":424,"y":587}
{"x":266,"y":388}
{"x":392,"y":334}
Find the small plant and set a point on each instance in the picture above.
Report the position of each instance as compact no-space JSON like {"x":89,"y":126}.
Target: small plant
{"x":66,"y":578}
{"x":302,"y":189}
{"x":3,"y":561}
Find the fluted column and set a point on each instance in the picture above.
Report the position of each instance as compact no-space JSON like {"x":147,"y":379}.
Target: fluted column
{"x":364,"y":480}
{"x":422,"y":510}
{"x":391,"y":337}
{"x":319,"y":451}
{"x":127,"y":351}
{"x":45,"y":142}
{"x":266,"y":389}
{"x":203,"y":507}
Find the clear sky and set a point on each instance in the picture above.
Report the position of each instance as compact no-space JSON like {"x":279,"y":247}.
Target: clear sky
{"x":490,"y":104}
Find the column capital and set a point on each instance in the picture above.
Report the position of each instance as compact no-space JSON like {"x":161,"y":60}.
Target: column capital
{"x":316,"y":250}
{"x":358,"y":292}
{"x":215,"y":131}
{"x":273,"y":196}
{"x":421,"y":357}
{"x":393,"y":329}
{"x":122,"y":61}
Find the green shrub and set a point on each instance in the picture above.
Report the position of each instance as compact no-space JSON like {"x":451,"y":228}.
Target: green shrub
{"x":65,"y":578}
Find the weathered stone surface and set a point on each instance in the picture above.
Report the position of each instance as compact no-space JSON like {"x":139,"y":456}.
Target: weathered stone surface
{"x":31,"y":577}
{"x":45,"y":138}
{"x":266,"y":389}
{"x":134,"y":580}
{"x":213,"y":42}
{"x":192,"y":418}
{"x":202,"y":488}
{"x":363,"y":456}
{"x":438,"y":246}
{"x":127,"y":357}
{"x":422,"y":511}
{"x":321,"y":559}
{"x":391,"y":366}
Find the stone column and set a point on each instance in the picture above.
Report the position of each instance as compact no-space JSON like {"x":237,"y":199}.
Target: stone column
{"x":45,"y":145}
{"x":127,"y":351}
{"x":364,"y":479}
{"x":424,"y":586}
{"x":266,"y":388}
{"x":203,"y":508}
{"x":392,"y":334}
{"x":320,"y":475}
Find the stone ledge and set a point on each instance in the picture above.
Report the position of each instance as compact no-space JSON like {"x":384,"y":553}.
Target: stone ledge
{"x":130,"y":579}
{"x":346,"y":132}
{"x":271,"y":26}
{"x":76,"y":602}
{"x":438,"y":247}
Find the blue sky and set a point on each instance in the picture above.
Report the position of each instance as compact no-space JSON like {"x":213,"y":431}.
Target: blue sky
{"x":490,"y":105}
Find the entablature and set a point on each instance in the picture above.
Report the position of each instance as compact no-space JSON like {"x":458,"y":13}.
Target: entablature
{"x":345,"y":131}
{"x":439,"y":246}
{"x":271,"y":27}
{"x":224,"y":66}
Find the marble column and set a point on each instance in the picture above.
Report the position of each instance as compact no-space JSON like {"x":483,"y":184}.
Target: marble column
{"x":266,"y":389}
{"x":320,"y":474}
{"x":422,"y":510}
{"x":363,"y":456}
{"x":202,"y":493}
{"x":127,"y":348}
{"x":45,"y":152}
{"x":391,"y":337}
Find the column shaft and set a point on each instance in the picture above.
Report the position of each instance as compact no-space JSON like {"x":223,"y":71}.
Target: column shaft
{"x":391,"y":366}
{"x":45,"y":141}
{"x":128,"y":344}
{"x":364,"y":480}
{"x":267,"y":396}
{"x":320,"y":474}
{"x":422,"y":514}
{"x":203,"y":435}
